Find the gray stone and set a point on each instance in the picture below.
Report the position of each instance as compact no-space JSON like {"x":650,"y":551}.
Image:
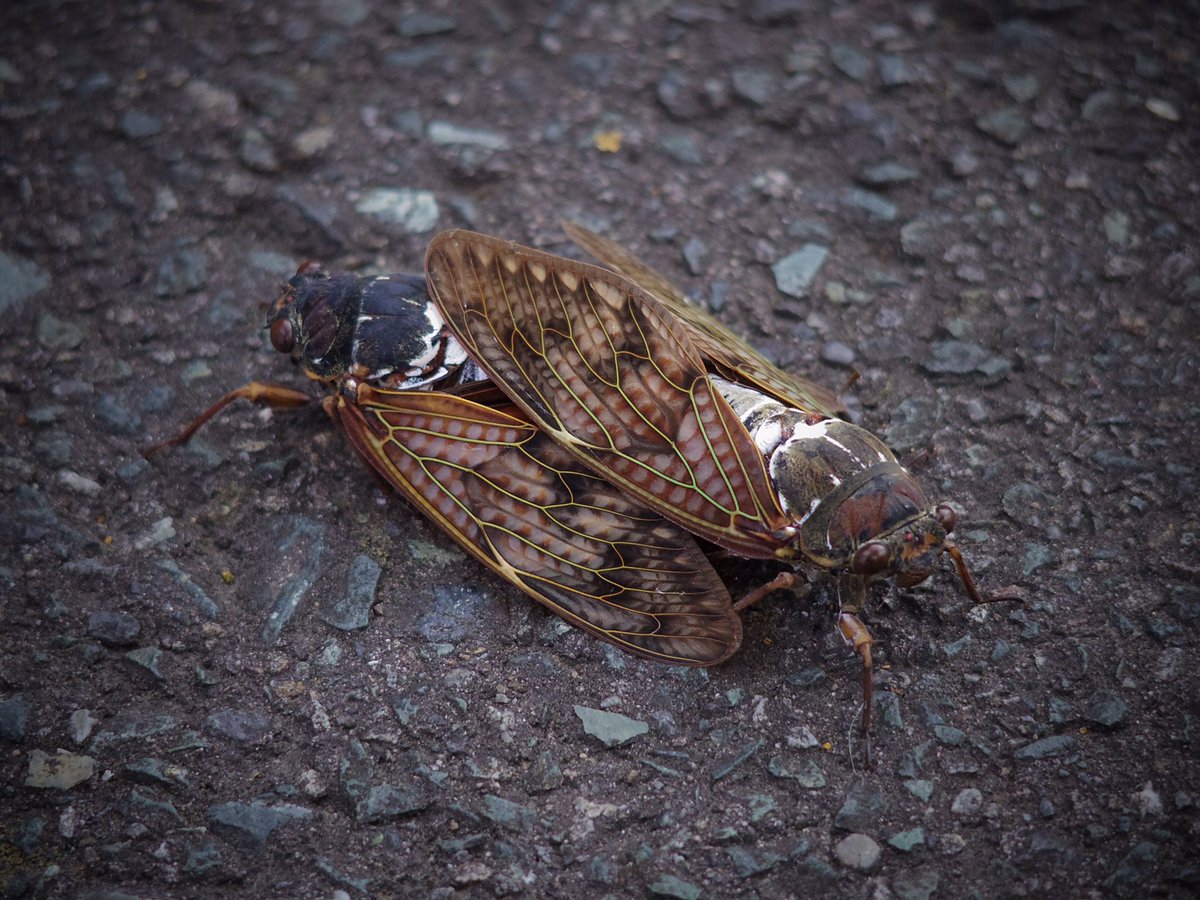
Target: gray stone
{"x":726,"y":767}
{"x":203,"y":602}
{"x":861,"y":808}
{"x":544,"y":774}
{"x":115,"y":629}
{"x":794,"y":273}
{"x":257,"y":152}
{"x":677,"y":888}
{"x":389,"y":801}
{"x":907,"y":841}
{"x":1026,"y":503}
{"x":1105,"y":708}
{"x":59,"y":772}
{"x":612,"y":729}
{"x":136,"y":124}
{"x":949,"y":735}
{"x":915,"y":884}
{"x":54,"y":333}
{"x":415,"y":211}
{"x":508,"y":815}
{"x":850,"y":62}
{"x":920,"y":788}
{"x":805,"y":772}
{"x":20,"y":279}
{"x":1008,"y":125}
{"x":14,"y":716}
{"x":250,"y":824}
{"x":244,"y":726}
{"x":353,"y":609}
{"x":1136,"y":870}
{"x":1047,"y":748}
{"x":927,"y":237}
{"x":148,"y":658}
{"x":875,"y":206}
{"x":755,"y":86}
{"x":894,"y":71}
{"x":969,"y":802}
{"x":953,"y":357}
{"x":888,"y":173}
{"x":446,"y":133}
{"x":682,"y":148}
{"x":747,"y":864}
{"x":181,"y":271}
{"x":423,"y":24}
{"x":300,"y":545}
{"x":858,"y":851}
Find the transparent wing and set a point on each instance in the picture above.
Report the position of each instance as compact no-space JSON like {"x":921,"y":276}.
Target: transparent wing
{"x":731,"y":356}
{"x":523,"y":506}
{"x":614,"y":377}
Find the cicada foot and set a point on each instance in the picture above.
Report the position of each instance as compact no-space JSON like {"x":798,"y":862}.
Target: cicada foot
{"x":273,"y":395}
{"x":857,"y":635}
{"x":784,"y":581}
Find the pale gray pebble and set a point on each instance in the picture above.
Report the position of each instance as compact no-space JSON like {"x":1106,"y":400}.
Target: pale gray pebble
{"x":423,"y":24}
{"x":137,"y":125}
{"x":1008,"y":125}
{"x":54,"y":333}
{"x":888,"y":173}
{"x":794,"y":274}
{"x":858,"y":851}
{"x":20,"y":279}
{"x":611,"y":729}
{"x":257,"y":152}
{"x":695,"y":254}
{"x":968,"y":802}
{"x":181,"y":271}
{"x":850,"y":62}
{"x":676,"y":888}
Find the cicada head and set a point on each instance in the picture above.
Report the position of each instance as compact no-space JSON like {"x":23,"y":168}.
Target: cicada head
{"x":382,"y":327}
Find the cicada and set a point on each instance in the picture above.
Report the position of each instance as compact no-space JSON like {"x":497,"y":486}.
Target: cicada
{"x":576,"y":428}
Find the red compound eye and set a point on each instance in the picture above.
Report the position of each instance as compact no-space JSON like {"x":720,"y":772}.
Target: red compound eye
{"x":283,"y":337}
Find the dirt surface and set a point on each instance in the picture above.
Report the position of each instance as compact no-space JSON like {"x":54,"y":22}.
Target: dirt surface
{"x":243,"y":668}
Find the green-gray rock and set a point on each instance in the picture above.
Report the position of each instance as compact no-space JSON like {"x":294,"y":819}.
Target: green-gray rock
{"x":612,"y":729}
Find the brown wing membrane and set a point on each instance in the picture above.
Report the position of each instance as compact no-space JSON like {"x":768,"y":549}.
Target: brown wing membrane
{"x":731,"y":356}
{"x":611,"y":375}
{"x":519,"y":503}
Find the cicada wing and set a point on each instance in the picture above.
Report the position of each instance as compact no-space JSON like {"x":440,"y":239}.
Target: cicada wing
{"x":523,"y":506}
{"x":613,"y":376}
{"x":729,"y":354}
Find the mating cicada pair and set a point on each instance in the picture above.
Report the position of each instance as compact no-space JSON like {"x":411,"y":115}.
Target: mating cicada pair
{"x":577,"y":428}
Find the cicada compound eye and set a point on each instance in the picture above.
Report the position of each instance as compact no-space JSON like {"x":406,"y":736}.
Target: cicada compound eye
{"x":283,"y":336}
{"x":871,"y":559}
{"x":946,"y":517}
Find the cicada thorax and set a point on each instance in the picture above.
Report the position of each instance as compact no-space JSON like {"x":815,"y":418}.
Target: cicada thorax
{"x":385,"y":329}
{"x":844,"y":490}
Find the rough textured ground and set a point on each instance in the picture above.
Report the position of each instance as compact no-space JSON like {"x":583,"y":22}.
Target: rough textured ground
{"x":1007,"y":197}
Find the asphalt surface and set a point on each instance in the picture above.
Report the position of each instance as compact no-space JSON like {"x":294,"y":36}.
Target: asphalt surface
{"x":242,"y":667}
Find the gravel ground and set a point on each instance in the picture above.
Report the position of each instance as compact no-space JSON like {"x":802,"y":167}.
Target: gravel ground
{"x":244,"y":668}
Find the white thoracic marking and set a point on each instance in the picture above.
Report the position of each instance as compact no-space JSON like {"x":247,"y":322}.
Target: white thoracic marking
{"x":812,"y":508}
{"x":767,"y":437}
{"x":383,"y":277}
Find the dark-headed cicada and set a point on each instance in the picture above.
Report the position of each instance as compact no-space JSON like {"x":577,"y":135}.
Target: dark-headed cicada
{"x":575,"y":428}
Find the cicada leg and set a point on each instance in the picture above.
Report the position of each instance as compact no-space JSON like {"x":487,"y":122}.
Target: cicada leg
{"x":781,"y":582}
{"x":273,"y":395}
{"x":858,"y":636}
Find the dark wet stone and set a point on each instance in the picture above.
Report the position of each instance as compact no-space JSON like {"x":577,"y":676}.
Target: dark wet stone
{"x":423,"y":24}
{"x":1105,"y":708}
{"x":860,"y":810}
{"x":1006,"y":125}
{"x":726,"y":767}
{"x":954,"y":648}
{"x":1022,"y":88}
{"x":850,"y":62}
{"x":148,"y":658}
{"x":795,"y":272}
{"x":612,"y":729}
{"x":346,"y":13}
{"x":14,"y":716}
{"x":915,"y":884}
{"x":747,"y":864}
{"x":593,"y":70}
{"x":508,"y":815}
{"x":355,"y":772}
{"x":695,"y":254}
{"x":136,"y":124}
{"x":1035,"y":557}
{"x":244,"y":726}
{"x":20,"y":279}
{"x":140,"y":801}
{"x":887,"y":710}
{"x":777,"y":12}
{"x":1026,"y":503}
{"x":353,"y":609}
{"x":1047,"y":748}
{"x":680,"y":97}
{"x":249,"y":825}
{"x":133,"y":725}
{"x":677,"y":888}
{"x":389,"y":801}
{"x":907,"y":841}
{"x":910,"y":423}
{"x":911,"y":762}
{"x":114,"y":629}
{"x":181,"y":271}
{"x":964,"y":163}
{"x":544,"y":774}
